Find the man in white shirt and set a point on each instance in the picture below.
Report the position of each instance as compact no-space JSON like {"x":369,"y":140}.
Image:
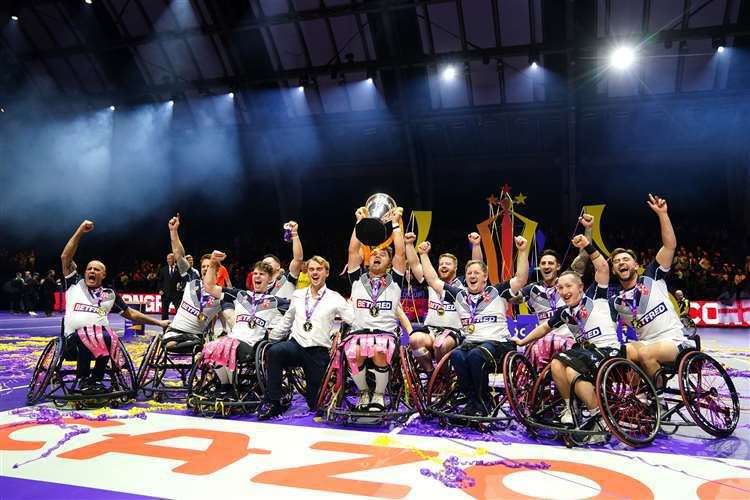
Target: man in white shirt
{"x":310,"y":319}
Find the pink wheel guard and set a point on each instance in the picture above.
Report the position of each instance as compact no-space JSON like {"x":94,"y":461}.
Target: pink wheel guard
{"x":368,"y":344}
{"x":541,"y":352}
{"x":92,"y":337}
{"x":222,"y":352}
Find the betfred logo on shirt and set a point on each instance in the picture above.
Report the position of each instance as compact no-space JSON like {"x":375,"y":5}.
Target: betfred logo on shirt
{"x":545,"y":315}
{"x":587,"y":336}
{"x":246,"y":318}
{"x":650,"y":316}
{"x":383,"y":305}
{"x":87,"y":308}
{"x":480,"y":319}
{"x":446,"y":307}
{"x":190,"y":309}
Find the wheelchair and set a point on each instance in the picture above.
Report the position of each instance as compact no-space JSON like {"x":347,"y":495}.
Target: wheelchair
{"x":509,"y":380}
{"x":338,"y":395}
{"x":163,"y":373}
{"x":627,"y":407}
{"x":703,"y":389}
{"x":54,"y":377}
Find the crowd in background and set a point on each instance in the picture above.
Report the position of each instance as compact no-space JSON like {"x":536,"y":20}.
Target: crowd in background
{"x":708,"y":265}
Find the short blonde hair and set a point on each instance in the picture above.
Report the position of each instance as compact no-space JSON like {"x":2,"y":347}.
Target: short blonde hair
{"x":320,"y":260}
{"x":479,"y":262}
{"x":449,"y":256}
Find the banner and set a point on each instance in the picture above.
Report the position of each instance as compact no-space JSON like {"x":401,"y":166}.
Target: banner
{"x":711,"y":313}
{"x":151,"y":302}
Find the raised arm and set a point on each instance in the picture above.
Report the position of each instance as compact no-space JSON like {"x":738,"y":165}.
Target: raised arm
{"x":476,"y":246}
{"x":430,"y":275}
{"x":209,"y":280}
{"x":601,"y":268}
{"x":540,"y":331}
{"x":665,"y":255}
{"x":579,"y":263}
{"x":355,"y":258}
{"x":412,"y":258}
{"x":522,"y":265}
{"x":71,"y":247}
{"x":177,"y":249}
{"x":142,"y":319}
{"x":399,"y":254}
{"x":295,"y":266}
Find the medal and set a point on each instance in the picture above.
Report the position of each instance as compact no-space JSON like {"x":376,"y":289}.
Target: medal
{"x":310,"y":310}
{"x":251,"y":323}
{"x":374,"y":311}
{"x":473,"y":306}
{"x":440,"y":310}
{"x":471,"y":327}
{"x":201,"y":317}
{"x":101,"y":311}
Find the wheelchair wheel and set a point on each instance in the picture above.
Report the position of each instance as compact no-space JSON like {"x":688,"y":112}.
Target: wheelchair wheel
{"x":628,"y":402}
{"x":519,"y":376}
{"x":260,"y":365}
{"x":709,"y":394}
{"x":202,"y":381}
{"x":148,"y":367}
{"x":332,"y":385}
{"x":442,"y":389}
{"x":545,"y":405}
{"x":43,"y":372}
{"x":123,"y":377}
{"x":414,"y":395}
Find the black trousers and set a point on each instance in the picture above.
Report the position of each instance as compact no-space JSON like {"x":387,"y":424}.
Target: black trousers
{"x":169,"y":299}
{"x":289,"y":354}
{"x":472,"y":362}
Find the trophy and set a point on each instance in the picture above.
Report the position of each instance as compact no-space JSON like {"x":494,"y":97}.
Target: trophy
{"x":373,"y":230}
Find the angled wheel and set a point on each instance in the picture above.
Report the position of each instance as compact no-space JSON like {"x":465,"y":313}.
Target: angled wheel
{"x":412,"y":386}
{"x":709,"y":394}
{"x":628,"y":402}
{"x":331,"y":386}
{"x":519,"y":375}
{"x":123,"y":372}
{"x":442,"y":389}
{"x":43,"y":372}
{"x":147,"y":370}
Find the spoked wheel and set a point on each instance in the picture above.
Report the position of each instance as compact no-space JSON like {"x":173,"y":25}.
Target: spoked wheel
{"x":201,"y":382}
{"x":628,"y":402}
{"x":545,"y":404}
{"x":709,"y":394}
{"x":123,"y":372}
{"x":442,"y":387}
{"x":45,"y":369}
{"x":331,"y":386}
{"x":147,"y":369}
{"x":260,"y":365}
{"x":519,"y":376}
{"x":412,"y":386}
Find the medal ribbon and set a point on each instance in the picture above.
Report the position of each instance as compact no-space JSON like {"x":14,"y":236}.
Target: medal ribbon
{"x":375,"y":289}
{"x":309,"y":311}
{"x":473,"y":306}
{"x":254,"y":305}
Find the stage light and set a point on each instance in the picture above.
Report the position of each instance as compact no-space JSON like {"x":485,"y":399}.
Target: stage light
{"x":231,"y":95}
{"x":112,"y":108}
{"x":622,"y":58}
{"x":369,"y":80}
{"x":2,"y":110}
{"x":449,"y":73}
{"x":171,"y":102}
{"x":14,"y":18}
{"x":720,"y":49}
{"x":300,"y":89}
{"x":88,"y":2}
{"x":534,"y":65}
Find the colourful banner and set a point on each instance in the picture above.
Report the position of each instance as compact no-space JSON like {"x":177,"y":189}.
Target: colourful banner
{"x":712,"y":313}
{"x":596,"y":231}
{"x":424,"y":221}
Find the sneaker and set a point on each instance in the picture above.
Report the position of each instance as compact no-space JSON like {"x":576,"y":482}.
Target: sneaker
{"x":377,"y":403}
{"x":94,"y":387}
{"x":566,"y":417}
{"x":364,"y":401}
{"x":596,"y":438}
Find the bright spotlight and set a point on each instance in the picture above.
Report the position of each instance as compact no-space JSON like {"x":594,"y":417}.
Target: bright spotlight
{"x":720,"y":49}
{"x":534,"y":65}
{"x":112,"y":108}
{"x":449,"y":73}
{"x":14,"y":18}
{"x":300,"y":89}
{"x":88,"y":2}
{"x":369,"y":80}
{"x":171,"y":102}
{"x":231,"y":95}
{"x":622,"y":58}
{"x":2,"y":110}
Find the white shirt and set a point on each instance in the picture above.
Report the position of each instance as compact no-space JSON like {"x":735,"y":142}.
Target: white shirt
{"x":483,"y":315}
{"x":256,"y":315}
{"x":87,"y":307}
{"x":197,"y":310}
{"x":592,"y":320}
{"x":381,"y":296}
{"x":322,"y":316}
{"x":442,"y":313}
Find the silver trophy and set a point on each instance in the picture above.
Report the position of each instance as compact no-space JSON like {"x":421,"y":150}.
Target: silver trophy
{"x":373,"y":230}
